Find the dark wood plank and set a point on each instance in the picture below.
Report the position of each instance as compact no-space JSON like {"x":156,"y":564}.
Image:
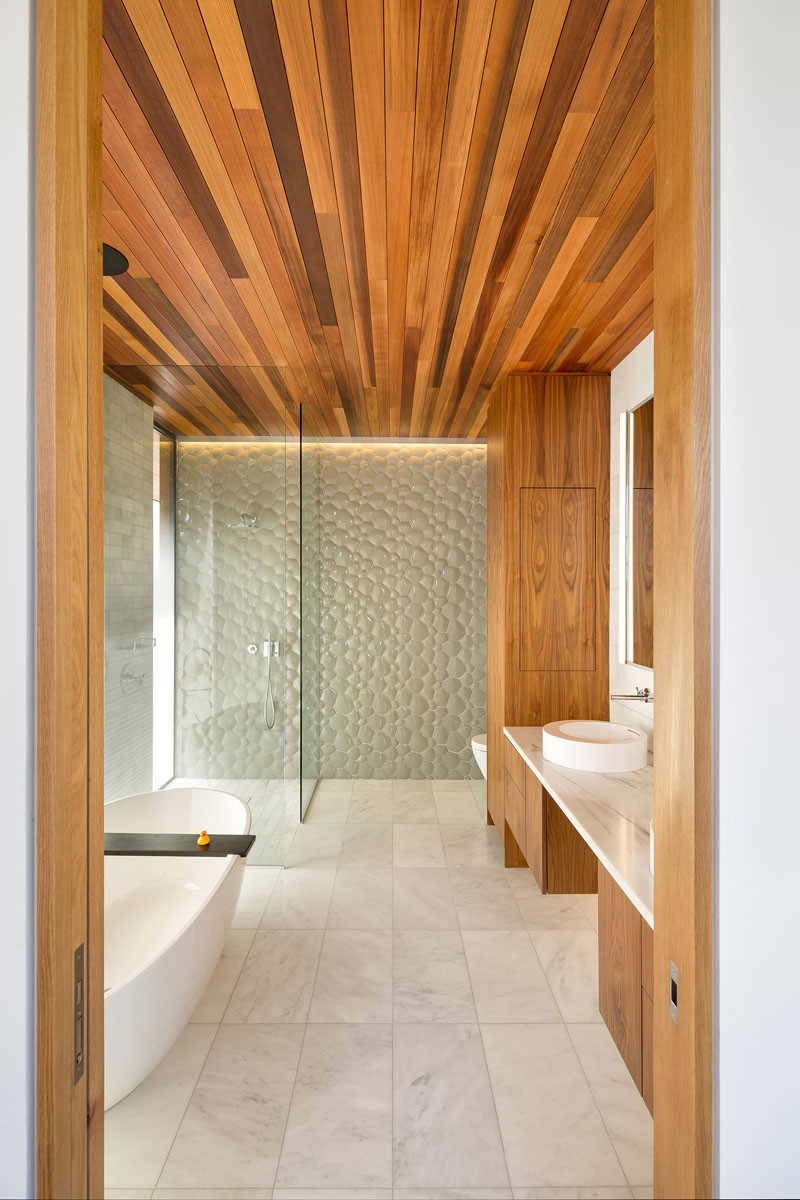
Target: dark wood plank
{"x":178,"y":845}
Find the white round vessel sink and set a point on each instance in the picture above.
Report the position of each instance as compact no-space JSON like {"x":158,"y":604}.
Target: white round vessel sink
{"x":594,"y":746}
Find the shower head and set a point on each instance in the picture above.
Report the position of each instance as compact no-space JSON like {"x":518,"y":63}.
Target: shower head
{"x":246,"y":521}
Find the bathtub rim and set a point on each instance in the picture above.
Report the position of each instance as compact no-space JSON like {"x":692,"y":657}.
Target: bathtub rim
{"x":226,"y":868}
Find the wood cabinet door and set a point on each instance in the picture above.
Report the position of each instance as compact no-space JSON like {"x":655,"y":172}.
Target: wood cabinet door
{"x":620,"y":971}
{"x":535,"y":827}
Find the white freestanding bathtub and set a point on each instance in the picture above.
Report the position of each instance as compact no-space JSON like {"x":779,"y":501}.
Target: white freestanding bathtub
{"x":165,"y":921}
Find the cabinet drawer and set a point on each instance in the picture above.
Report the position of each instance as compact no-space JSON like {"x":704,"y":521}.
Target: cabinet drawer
{"x":515,"y":766}
{"x":515,"y":811}
{"x":620,"y":973}
{"x":647,"y":1049}
{"x":535,"y":825}
{"x":647,"y":959}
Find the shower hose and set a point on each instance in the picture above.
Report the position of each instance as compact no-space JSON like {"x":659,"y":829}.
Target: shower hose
{"x":269,"y":699}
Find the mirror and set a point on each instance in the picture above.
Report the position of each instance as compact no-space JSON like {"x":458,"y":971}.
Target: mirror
{"x":639,"y":535}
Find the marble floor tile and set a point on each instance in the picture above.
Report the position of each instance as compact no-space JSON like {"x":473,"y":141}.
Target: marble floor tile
{"x":140,"y":1129}
{"x":621,"y":1106}
{"x":129,"y":1193}
{"x":441,"y":786}
{"x":573,"y":1193}
{"x":339,"y":1132}
{"x":354,"y":979}
{"x":277,"y":979}
{"x":327,"y":808}
{"x":257,"y":887}
{"x":366,"y":845}
{"x":643,"y":1193}
{"x":552,"y":1131}
{"x":212,"y":1004}
{"x":441,"y":1084}
{"x":301,"y":899}
{"x":457,"y":807}
{"x":552,"y":912}
{"x":332,"y":1194}
{"x":333,"y":787}
{"x":418,"y":846}
{"x":483,"y":899}
{"x":233,"y":1129}
{"x":472,"y":846}
{"x":448,"y":1193}
{"x":423,"y":899}
{"x":315,"y":846}
{"x":223,"y":1193}
{"x":589,"y":906}
{"x":371,"y":804}
{"x":362,"y":899}
{"x":412,"y":803}
{"x":373,"y":787}
{"x":431,"y":981}
{"x":508,"y":983}
{"x":569,"y":959}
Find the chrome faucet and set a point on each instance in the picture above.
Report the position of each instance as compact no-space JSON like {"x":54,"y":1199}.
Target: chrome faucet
{"x":643,"y":694}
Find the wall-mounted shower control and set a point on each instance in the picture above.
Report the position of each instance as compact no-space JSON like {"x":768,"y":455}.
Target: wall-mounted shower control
{"x":252,"y":648}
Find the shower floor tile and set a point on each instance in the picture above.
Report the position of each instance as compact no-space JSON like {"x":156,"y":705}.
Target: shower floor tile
{"x":395,"y":1013}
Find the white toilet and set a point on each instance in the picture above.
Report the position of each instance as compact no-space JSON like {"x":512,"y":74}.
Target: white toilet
{"x":479,"y":750}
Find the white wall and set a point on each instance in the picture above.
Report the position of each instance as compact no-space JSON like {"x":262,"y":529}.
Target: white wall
{"x":759,"y":598}
{"x":631,"y":385}
{"x":17,"y":601}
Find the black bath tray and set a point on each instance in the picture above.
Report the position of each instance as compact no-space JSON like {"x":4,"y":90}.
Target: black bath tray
{"x":179,"y":844}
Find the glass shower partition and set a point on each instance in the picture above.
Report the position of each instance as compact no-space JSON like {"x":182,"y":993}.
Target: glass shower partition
{"x":232,"y":685}
{"x":310,"y":463}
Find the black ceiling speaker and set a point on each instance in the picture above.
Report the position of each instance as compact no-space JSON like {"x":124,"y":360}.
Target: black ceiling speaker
{"x":114,"y":261}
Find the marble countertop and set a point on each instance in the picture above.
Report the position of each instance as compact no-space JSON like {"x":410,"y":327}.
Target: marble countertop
{"x":611,"y":813}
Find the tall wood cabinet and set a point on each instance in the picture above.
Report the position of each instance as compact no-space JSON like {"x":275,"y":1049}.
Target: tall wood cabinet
{"x":548,"y":559}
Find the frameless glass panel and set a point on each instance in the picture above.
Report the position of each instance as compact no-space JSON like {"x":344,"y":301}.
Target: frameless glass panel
{"x":163,"y":608}
{"x":129,"y":592}
{"x":309,"y":618}
{"x":232,"y":667}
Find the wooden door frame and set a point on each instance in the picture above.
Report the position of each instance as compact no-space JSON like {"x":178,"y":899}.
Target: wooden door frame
{"x":683,"y":1053}
{"x":70,"y":594}
{"x":69,"y":678}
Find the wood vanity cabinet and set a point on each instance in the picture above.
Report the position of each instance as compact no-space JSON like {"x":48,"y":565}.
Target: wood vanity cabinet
{"x":537,"y":833}
{"x":625,"y":951}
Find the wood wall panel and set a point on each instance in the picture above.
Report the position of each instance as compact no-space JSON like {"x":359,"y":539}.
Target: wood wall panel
{"x":557,"y":594}
{"x":545,"y":432}
{"x":69,"y":767}
{"x":682,"y":601}
{"x":395,"y":203}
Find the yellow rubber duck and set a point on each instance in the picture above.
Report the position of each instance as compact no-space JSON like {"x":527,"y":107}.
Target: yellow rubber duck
{"x":204,"y":840}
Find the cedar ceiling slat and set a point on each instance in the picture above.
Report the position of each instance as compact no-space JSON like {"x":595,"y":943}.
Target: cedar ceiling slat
{"x":373,"y":207}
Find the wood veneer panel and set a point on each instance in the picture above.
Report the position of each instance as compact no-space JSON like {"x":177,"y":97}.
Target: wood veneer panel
{"x":536,"y":828}
{"x":515,"y":813}
{"x":682,"y":602}
{"x":495,"y":615}
{"x":515,"y":766}
{"x":647,"y":959}
{"x":557,"y":617}
{"x":647,"y":1050}
{"x":571,"y":865}
{"x":642,"y":547}
{"x":619,"y":936}
{"x":69,"y":1112}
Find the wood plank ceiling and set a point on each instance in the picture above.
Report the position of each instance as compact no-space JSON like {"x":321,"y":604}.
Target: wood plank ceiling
{"x":375,"y":207}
